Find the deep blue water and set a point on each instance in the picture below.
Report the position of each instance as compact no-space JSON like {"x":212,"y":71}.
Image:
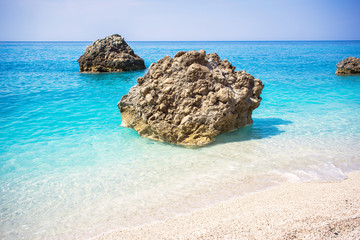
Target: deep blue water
{"x":68,"y":169}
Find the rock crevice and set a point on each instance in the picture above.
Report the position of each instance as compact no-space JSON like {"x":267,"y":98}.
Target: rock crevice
{"x":189,"y":99}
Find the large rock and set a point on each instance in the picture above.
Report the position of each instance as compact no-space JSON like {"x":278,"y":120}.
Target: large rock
{"x":111,"y":54}
{"x":350,"y":65}
{"x":189,"y":99}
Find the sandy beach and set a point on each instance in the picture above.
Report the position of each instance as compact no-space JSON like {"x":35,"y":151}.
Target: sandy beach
{"x":311,"y":210}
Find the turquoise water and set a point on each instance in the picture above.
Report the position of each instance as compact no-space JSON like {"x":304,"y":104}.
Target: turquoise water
{"x":68,"y":170}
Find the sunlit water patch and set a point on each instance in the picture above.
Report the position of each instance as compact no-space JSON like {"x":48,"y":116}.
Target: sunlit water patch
{"x":68,"y":170}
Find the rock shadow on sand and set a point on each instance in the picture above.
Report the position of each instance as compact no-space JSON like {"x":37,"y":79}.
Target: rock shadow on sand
{"x":261,"y":128}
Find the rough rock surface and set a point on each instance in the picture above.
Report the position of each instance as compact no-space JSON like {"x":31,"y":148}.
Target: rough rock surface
{"x":111,"y":54}
{"x":350,"y":65}
{"x":189,"y":99}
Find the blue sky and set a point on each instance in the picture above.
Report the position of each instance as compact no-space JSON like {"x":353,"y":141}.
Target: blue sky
{"x":187,"y":20}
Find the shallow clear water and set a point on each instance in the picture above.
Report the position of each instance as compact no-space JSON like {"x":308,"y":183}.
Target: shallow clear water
{"x":68,"y":170}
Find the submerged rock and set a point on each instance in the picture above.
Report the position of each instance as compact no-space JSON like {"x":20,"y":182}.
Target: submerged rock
{"x":189,"y":99}
{"x":111,"y":54}
{"x":350,"y":65}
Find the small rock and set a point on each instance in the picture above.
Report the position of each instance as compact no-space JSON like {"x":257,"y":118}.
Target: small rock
{"x":350,"y":65}
{"x":111,"y":54}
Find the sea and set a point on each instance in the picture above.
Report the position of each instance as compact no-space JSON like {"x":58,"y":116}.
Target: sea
{"x":68,"y":170}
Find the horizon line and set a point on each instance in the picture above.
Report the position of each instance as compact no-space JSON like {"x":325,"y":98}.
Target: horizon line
{"x":186,"y":40}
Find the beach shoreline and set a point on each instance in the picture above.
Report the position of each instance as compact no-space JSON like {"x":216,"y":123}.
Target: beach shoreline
{"x":307,"y":210}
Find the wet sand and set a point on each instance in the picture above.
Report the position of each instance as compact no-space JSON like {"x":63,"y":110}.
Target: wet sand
{"x":327,"y":210}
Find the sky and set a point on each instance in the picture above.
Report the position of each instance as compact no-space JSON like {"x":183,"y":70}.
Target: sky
{"x":179,"y":20}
